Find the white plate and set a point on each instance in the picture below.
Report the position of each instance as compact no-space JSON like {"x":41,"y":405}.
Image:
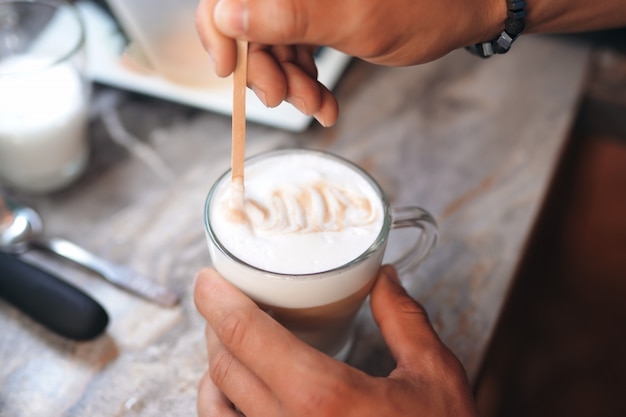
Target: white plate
{"x":105,"y":45}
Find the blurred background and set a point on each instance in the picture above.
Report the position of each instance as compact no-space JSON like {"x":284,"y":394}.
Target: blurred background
{"x":560,"y":346}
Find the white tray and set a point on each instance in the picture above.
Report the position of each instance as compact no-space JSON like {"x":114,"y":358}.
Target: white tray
{"x":105,"y":45}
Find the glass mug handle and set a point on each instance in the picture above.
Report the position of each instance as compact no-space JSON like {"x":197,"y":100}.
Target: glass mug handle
{"x":411,"y":216}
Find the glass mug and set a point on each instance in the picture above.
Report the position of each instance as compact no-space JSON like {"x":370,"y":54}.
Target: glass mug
{"x":44,"y":95}
{"x":318,"y":306}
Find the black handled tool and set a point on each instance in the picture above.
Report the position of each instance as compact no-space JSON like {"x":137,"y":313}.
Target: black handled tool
{"x":49,"y":300}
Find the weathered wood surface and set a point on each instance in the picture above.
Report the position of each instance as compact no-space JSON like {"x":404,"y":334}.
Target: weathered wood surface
{"x":473,"y":141}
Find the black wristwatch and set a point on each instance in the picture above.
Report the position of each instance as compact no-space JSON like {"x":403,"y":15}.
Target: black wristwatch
{"x":513,"y":26}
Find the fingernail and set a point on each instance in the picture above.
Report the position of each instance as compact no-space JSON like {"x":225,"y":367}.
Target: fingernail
{"x":298,"y":103}
{"x":260,"y":94}
{"x":233,"y":14}
{"x":212,"y":62}
{"x":320,"y":119}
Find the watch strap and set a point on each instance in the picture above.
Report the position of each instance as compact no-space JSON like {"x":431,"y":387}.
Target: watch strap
{"x":513,"y":27}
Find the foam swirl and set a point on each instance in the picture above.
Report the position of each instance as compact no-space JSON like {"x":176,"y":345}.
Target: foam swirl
{"x":316,"y":207}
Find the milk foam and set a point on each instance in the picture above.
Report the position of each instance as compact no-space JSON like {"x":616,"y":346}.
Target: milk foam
{"x":303,"y":213}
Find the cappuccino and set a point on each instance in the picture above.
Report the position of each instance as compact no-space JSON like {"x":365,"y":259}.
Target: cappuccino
{"x":304,"y":237}
{"x":303,"y":213}
{"x":305,"y":241}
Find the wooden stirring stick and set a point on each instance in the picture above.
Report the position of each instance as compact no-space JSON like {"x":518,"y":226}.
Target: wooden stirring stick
{"x":239,"y":112}
{"x":240,"y":77}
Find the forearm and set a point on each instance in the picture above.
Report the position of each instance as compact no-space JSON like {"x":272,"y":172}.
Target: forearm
{"x":543,"y":16}
{"x":486,"y":20}
{"x":567,"y":16}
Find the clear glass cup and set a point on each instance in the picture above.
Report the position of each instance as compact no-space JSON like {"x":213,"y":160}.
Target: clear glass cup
{"x":43,"y":95}
{"x":325,"y":320}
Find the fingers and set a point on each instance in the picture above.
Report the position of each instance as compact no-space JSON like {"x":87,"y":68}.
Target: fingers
{"x":308,"y":95}
{"x":244,"y":331}
{"x":276,"y":22}
{"x":403,"y":322}
{"x":276,"y":74}
{"x":237,"y":383}
{"x":221,"y":49}
{"x":211,"y":401}
{"x":328,"y":110}
{"x":265,"y":76}
{"x":285,"y":73}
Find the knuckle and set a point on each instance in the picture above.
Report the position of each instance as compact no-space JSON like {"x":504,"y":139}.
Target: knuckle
{"x":290,"y":20}
{"x":233,"y":328}
{"x":413,"y":311}
{"x":220,"y":366}
{"x":329,"y":397}
{"x":440,"y":364}
{"x":407,"y":305}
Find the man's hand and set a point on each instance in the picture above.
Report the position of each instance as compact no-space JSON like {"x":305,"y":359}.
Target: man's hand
{"x":257,"y":368}
{"x":284,"y":34}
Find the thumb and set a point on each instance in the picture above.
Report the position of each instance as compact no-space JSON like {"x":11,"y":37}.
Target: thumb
{"x":273,"y":22}
{"x":403,"y":322}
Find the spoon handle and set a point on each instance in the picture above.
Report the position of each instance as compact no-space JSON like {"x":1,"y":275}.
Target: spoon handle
{"x":115,"y":274}
{"x":50,"y":301}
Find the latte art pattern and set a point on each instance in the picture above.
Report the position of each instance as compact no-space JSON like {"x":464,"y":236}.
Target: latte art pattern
{"x":297,"y":213}
{"x":312,"y":208}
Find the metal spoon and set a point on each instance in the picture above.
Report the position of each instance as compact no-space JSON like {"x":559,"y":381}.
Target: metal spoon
{"x":21,"y":229}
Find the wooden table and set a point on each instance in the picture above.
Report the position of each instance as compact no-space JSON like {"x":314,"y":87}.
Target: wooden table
{"x":473,"y":141}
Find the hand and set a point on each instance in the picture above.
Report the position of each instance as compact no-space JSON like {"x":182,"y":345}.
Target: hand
{"x":283,"y":35}
{"x":258,"y":367}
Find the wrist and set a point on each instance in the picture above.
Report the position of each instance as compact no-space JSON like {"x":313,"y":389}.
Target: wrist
{"x":492,"y":15}
{"x":513,"y":23}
